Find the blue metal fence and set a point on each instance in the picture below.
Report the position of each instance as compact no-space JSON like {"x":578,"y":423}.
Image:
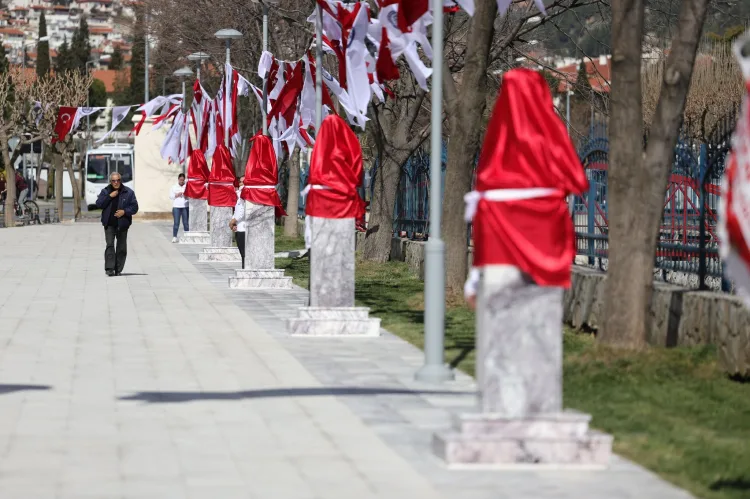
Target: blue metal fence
{"x":687,"y":249}
{"x":688,"y":242}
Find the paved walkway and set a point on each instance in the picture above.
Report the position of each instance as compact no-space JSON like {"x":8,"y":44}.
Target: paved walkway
{"x":164,"y":384}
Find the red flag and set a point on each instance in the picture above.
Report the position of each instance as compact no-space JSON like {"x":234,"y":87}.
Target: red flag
{"x":65,"y":119}
{"x":385,"y":68}
{"x":527,"y":167}
{"x":409,"y":12}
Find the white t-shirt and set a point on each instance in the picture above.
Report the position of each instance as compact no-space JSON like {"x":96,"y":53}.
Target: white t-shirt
{"x":239,"y":213}
{"x":178,"y":202}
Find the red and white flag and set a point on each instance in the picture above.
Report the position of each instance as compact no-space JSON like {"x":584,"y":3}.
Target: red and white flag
{"x":65,"y":119}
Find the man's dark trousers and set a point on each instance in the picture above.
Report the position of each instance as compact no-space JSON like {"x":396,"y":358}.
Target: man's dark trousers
{"x":114,"y":259}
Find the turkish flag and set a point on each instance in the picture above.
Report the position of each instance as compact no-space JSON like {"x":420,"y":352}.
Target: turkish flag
{"x":65,"y":119}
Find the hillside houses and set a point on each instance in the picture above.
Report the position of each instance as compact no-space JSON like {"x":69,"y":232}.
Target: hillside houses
{"x":19,"y":26}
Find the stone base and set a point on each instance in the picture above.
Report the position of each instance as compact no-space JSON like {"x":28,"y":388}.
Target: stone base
{"x":228,"y":255}
{"x":561,"y":440}
{"x":260,"y":279}
{"x":334,"y":321}
{"x":194,"y":237}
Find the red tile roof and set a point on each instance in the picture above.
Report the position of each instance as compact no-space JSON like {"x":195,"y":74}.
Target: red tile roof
{"x":599,"y":75}
{"x":110,"y":76}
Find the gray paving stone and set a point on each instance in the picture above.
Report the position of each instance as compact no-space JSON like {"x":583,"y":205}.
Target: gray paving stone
{"x":169,"y":385}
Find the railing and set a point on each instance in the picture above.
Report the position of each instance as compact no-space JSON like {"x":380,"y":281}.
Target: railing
{"x":687,"y":250}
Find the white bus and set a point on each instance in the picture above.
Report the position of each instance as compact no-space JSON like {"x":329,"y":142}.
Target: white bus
{"x":101,"y":162}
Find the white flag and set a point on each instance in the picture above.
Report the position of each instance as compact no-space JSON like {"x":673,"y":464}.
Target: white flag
{"x":82,"y":112}
{"x":119,"y":113}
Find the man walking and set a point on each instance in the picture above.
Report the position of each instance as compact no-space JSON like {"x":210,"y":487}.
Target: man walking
{"x":179,"y":206}
{"x":118,"y":205}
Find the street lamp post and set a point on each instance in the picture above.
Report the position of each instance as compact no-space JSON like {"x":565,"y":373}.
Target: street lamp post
{"x":227,"y":35}
{"x":88,"y":104}
{"x":318,"y":67}
{"x":264,"y":110}
{"x":198,"y":58}
{"x":434,"y":369}
{"x":182,"y":74}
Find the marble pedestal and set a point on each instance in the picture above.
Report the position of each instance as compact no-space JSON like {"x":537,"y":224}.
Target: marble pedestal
{"x":521,"y":422}
{"x":221,"y":249}
{"x":198,"y":222}
{"x":259,"y":272}
{"x":332,"y":311}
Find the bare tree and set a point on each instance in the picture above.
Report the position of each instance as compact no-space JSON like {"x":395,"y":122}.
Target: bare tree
{"x":292,"y":201}
{"x":64,"y":89}
{"x":638,"y":175}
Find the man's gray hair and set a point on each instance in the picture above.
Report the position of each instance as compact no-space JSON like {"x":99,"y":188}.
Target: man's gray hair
{"x":114,"y":173}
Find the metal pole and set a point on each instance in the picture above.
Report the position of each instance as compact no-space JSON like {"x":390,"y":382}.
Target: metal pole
{"x":164,"y":85}
{"x":567,"y":111}
{"x":187,"y":126}
{"x":434,"y":369}
{"x":198,"y":71}
{"x":264,"y":111}
{"x":227,"y":81}
{"x":319,"y":68}
{"x":145,"y":65}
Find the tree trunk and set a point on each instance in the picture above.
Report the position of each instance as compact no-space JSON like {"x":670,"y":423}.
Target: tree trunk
{"x":634,"y":227}
{"x":292,"y":197}
{"x":59,"y":185}
{"x":380,"y":227}
{"x":38,"y":176}
{"x":465,"y":132}
{"x":10,"y":183}
{"x":76,"y":189}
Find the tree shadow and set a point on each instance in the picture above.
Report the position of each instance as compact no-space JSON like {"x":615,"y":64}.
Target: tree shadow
{"x":6,"y":389}
{"x":180,"y":397}
{"x":738,"y":483}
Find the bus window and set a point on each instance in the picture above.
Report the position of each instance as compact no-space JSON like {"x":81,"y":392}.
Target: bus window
{"x":124,"y":166}
{"x":96,"y":169}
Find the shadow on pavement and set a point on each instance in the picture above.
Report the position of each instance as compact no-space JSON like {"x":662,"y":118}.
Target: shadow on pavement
{"x":177,"y":397}
{"x":5,"y":389}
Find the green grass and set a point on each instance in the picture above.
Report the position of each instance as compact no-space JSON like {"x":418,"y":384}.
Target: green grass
{"x":284,"y":243}
{"x":671,"y":410}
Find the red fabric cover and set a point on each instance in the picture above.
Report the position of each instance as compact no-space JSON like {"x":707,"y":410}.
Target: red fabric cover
{"x":262,"y":169}
{"x":734,"y":229}
{"x":337,"y":164}
{"x":527,"y":146}
{"x":197,"y":176}
{"x":221,"y":189}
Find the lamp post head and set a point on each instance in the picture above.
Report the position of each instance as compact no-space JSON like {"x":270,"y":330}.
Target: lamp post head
{"x":228,"y":34}
{"x":198,"y":57}
{"x":183,"y":73}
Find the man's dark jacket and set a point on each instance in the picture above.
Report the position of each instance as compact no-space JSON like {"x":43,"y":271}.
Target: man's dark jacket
{"x":127,"y":202}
